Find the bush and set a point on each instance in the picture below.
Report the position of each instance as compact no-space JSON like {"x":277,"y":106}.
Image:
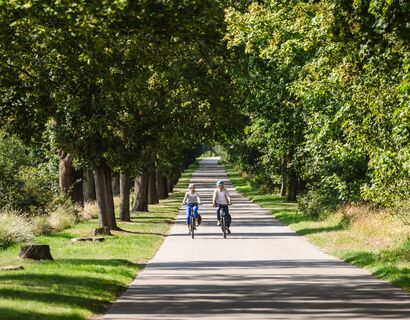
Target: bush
{"x":315,"y":203}
{"x":28,"y":179}
{"x":14,"y":228}
{"x":41,"y":225}
{"x":63,"y":214}
{"x":90,"y":211}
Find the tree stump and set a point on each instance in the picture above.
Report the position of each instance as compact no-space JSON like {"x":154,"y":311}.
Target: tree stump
{"x":94,"y":239}
{"x":101,"y":231}
{"x":36,"y":252}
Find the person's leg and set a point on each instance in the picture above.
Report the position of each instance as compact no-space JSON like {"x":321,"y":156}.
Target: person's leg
{"x":218,"y":212}
{"x":195,"y":208}
{"x":188,"y":214}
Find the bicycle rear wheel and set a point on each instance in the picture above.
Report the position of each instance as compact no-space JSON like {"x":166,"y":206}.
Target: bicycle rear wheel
{"x":223,"y":226}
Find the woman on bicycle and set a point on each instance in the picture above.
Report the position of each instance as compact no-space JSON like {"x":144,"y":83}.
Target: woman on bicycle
{"x":221,"y":200}
{"x":191,"y":200}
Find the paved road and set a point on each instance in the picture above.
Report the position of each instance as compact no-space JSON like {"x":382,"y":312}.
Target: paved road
{"x":263,"y":271}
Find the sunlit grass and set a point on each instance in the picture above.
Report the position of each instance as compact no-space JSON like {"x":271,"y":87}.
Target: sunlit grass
{"x":378,"y":243}
{"x":85,"y":277}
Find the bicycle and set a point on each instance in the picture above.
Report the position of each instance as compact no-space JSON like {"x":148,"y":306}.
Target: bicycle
{"x":192,"y":226}
{"x":224,"y":228}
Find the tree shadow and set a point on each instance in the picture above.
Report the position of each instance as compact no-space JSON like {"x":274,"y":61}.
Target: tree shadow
{"x":12,"y":314}
{"x":63,"y":290}
{"x":399,"y":276}
{"x":281,"y":289}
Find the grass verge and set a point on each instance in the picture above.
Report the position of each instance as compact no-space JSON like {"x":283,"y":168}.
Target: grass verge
{"x":380,"y":243}
{"x":85,"y":277}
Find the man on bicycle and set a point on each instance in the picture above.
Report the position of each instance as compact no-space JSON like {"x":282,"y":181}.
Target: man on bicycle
{"x":191,"y":200}
{"x":221,"y":200}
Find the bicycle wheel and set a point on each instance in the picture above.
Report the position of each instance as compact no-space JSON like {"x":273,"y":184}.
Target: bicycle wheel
{"x":223,"y":225}
{"x":192,"y":226}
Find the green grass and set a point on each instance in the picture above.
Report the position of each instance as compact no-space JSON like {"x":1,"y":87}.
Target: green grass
{"x":85,"y":277}
{"x":381,"y":246}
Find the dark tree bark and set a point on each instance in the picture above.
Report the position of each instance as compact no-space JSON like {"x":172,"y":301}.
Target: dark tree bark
{"x":77,"y":187}
{"x":141,"y":192}
{"x":152,"y":186}
{"x":162,"y":186}
{"x":124,"y":197}
{"x":116,"y":184}
{"x":70,"y":179}
{"x":88,"y":186}
{"x":35,"y":252}
{"x":109,"y":198}
{"x":283,"y":173}
{"x":99,"y":178}
{"x":65,"y":172}
{"x":283,"y":187}
{"x":292,"y":186}
{"x":171,"y":183}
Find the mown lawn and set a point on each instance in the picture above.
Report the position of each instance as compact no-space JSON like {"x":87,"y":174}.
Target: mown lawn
{"x":380,"y":245}
{"x":84,"y":277}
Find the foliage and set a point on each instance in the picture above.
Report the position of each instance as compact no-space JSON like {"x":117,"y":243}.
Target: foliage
{"x":27,"y":179}
{"x":325,"y":85}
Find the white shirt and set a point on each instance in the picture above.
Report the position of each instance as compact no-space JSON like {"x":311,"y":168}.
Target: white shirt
{"x":221,"y":197}
{"x":191,"y":198}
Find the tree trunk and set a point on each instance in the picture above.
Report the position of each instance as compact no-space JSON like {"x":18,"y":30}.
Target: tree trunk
{"x":152,"y":186}
{"x":124,"y":197}
{"x":116,"y":184}
{"x":99,"y":178}
{"x":88,"y":186}
{"x":292,"y":186}
{"x":77,"y":187}
{"x":283,"y":187}
{"x":109,"y":198}
{"x":65,"y":172}
{"x":70,"y":180}
{"x":171,"y":184}
{"x":283,"y":174}
{"x":162,"y":186}
{"x":35,"y":252}
{"x":141,"y":192}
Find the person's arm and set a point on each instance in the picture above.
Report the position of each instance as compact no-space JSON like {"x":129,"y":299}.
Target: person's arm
{"x":186,"y":195}
{"x":198,"y":198}
{"x":228,"y":198}
{"x":214,"y":198}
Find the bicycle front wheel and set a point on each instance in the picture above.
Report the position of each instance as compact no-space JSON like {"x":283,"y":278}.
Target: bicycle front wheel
{"x":223,"y":226}
{"x":192,"y":226}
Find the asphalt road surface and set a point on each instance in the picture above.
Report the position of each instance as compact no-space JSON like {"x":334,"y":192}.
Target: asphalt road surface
{"x":262,"y":271}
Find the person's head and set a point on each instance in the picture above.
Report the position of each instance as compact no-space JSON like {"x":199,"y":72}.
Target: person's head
{"x":191,"y":187}
{"x":220,"y":184}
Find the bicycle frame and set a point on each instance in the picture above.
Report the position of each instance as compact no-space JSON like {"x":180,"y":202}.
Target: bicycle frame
{"x":192,"y":221}
{"x":223,"y":220}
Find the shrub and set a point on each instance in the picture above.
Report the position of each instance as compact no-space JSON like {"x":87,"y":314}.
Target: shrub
{"x":28,"y":180}
{"x":41,"y":225}
{"x":316,"y":202}
{"x":90,"y":211}
{"x":402,"y":210}
{"x":63,"y":214}
{"x":14,"y":228}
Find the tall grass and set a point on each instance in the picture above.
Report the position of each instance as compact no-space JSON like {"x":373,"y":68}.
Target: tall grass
{"x":14,"y":228}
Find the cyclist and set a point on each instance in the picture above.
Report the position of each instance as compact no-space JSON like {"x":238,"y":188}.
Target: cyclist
{"x":191,"y":200}
{"x":221,"y":200}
